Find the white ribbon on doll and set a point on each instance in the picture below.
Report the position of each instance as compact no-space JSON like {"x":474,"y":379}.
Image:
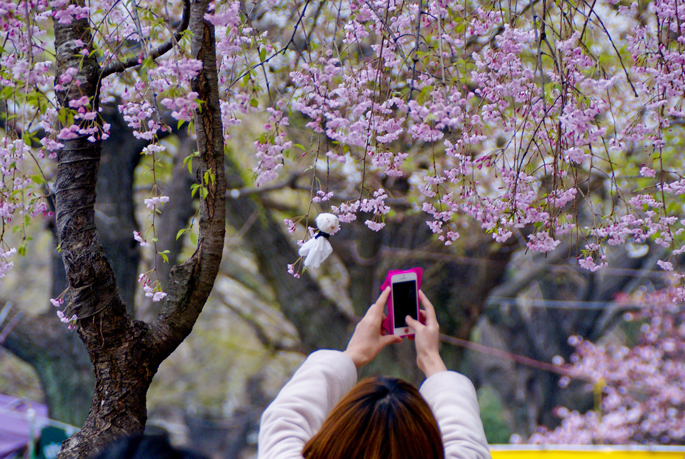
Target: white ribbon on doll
{"x":317,"y":249}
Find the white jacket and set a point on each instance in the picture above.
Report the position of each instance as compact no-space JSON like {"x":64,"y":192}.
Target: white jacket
{"x":303,"y":404}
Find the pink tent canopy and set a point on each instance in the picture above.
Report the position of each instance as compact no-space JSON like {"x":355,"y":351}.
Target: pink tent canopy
{"x":16,"y":422}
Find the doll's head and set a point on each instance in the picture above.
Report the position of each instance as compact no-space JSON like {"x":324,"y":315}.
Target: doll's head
{"x":328,"y":223}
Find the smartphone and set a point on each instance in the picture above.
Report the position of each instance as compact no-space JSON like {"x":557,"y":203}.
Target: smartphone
{"x":405,"y":302}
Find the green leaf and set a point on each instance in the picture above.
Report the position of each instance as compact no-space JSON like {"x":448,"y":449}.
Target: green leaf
{"x":38,"y":179}
{"x":212,"y":177}
{"x":262,"y":54}
{"x":421,"y":98}
{"x":254,"y":102}
{"x":164,"y":256}
{"x":188,"y":160}
{"x":181,"y":233}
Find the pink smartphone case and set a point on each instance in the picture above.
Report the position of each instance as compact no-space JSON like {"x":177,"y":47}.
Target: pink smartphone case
{"x":390,"y":320}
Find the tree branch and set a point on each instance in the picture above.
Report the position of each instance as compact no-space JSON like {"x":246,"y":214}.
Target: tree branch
{"x":511,"y":288}
{"x":191,"y":282}
{"x":118,"y":67}
{"x":280,"y":51}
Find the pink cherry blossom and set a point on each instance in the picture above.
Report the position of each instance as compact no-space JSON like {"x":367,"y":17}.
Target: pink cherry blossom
{"x":150,"y":203}
{"x":143,"y":242}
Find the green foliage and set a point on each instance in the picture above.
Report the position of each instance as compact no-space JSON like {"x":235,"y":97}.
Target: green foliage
{"x":493,"y":416}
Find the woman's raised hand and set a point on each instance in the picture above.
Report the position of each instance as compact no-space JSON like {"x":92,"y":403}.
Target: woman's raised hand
{"x":426,"y":338}
{"x":368,"y":340}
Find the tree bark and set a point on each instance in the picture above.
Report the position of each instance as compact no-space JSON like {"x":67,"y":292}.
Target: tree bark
{"x":126,"y":353}
{"x":57,"y":355}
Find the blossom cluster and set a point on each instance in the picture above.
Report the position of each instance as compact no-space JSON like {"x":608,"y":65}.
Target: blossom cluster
{"x":642,"y":387}
{"x":270,"y":149}
{"x":71,"y":321}
{"x":524,"y":124}
{"x":153,"y":290}
{"x":515,"y":149}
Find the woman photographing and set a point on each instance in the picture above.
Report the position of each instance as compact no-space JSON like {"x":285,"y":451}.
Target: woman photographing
{"x":322,"y":413}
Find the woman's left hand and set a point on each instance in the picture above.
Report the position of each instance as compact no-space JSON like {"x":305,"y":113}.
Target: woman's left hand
{"x":368,"y":339}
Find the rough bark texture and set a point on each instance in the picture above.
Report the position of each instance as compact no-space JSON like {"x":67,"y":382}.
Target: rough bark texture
{"x":118,"y":405}
{"x":191,"y":283}
{"x":126,"y":353}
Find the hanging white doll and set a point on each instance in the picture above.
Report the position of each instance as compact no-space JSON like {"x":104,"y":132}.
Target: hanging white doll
{"x":317,"y":249}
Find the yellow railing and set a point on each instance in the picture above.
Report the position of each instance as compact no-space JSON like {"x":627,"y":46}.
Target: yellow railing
{"x":586,"y":452}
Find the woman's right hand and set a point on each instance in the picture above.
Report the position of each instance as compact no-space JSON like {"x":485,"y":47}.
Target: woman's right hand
{"x":368,"y":338}
{"x":427,"y":338}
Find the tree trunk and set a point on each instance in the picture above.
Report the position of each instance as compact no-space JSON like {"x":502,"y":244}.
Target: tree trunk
{"x":58,"y":356}
{"x":61,"y":362}
{"x":126,"y":353}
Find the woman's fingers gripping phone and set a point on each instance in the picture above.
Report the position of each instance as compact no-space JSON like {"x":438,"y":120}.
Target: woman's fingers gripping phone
{"x":427,"y":339}
{"x":368,"y":339}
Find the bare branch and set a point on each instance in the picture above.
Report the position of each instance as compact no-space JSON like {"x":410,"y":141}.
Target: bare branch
{"x":118,"y":67}
{"x":280,"y":51}
{"x":290,"y":182}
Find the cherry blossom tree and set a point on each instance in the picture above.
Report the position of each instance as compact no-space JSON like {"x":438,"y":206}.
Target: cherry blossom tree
{"x":125,"y":353}
{"x":512,"y":116}
{"x":638,"y":389}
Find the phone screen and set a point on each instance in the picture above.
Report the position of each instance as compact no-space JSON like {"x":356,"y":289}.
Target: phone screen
{"x":404,"y":301}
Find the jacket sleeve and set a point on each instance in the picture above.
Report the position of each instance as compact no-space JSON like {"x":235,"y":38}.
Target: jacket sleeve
{"x":452,"y":398}
{"x":303,"y":404}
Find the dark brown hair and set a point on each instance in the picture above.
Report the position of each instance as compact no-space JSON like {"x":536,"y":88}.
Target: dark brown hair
{"x":380,"y":418}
